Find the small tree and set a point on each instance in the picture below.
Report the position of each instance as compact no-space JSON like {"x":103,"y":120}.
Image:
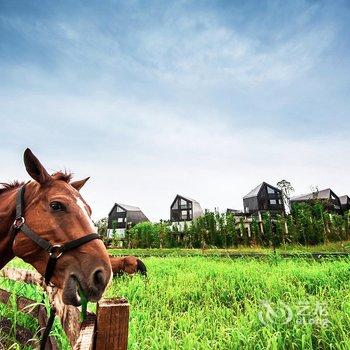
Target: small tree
{"x":102,"y":225}
{"x":232,"y":235}
{"x":256,"y":234}
{"x":287,"y":189}
{"x":268,"y":229}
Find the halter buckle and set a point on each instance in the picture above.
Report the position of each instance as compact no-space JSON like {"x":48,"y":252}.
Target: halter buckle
{"x":19,"y":222}
{"x":55,"y":251}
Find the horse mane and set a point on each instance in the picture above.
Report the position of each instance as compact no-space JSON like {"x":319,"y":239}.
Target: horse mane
{"x":63,"y":176}
{"x":9,"y":186}
{"x":59,"y":175}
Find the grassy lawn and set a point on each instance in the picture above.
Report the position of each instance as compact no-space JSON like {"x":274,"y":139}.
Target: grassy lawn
{"x":214,"y":303}
{"x":201,"y":303}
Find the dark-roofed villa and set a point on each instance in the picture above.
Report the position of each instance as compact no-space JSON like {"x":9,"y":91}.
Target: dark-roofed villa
{"x":344,"y":203}
{"x":264,"y":197}
{"x":184,"y":209}
{"x":123,"y":216}
{"x":327,"y":196}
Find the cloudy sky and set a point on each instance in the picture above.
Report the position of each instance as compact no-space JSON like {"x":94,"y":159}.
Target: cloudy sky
{"x":154,"y":98}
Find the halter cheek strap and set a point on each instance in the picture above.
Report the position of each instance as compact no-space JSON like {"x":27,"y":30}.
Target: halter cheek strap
{"x":55,"y":251}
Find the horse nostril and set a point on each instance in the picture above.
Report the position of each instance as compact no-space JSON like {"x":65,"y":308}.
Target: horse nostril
{"x":98,"y":278}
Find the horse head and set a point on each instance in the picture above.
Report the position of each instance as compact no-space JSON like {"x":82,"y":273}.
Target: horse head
{"x":56,"y":212}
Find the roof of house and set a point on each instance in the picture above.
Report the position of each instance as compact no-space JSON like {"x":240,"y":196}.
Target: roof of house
{"x":344,"y":199}
{"x":134,"y":214}
{"x":128,"y":207}
{"x":323,"y":194}
{"x":187,"y":198}
{"x":256,"y":190}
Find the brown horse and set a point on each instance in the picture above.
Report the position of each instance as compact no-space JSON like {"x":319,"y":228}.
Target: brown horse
{"x":56,"y":213}
{"x":127,"y":264}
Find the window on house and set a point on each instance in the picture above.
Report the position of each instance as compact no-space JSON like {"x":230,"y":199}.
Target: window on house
{"x":121,"y":219}
{"x":119,"y":210}
{"x":184,"y":214}
{"x":273,"y":201}
{"x":270,"y":190}
{"x":176,"y":215}
{"x":183,"y":204}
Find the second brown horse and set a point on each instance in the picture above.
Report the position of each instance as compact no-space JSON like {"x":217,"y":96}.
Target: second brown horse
{"x":127,"y":264}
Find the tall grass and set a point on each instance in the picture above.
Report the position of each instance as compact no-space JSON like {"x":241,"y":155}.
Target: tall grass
{"x":214,"y":303}
{"x":201,"y":303}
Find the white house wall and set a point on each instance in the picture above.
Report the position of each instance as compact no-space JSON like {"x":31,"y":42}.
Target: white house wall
{"x":119,"y":233}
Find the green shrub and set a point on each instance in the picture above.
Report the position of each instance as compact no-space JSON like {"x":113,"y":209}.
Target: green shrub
{"x":308,"y":224}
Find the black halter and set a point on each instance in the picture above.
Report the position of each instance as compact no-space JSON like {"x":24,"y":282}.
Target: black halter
{"x":56,"y":250}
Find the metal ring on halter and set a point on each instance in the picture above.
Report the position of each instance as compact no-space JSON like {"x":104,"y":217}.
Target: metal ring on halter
{"x":55,"y":251}
{"x":19,"y":222}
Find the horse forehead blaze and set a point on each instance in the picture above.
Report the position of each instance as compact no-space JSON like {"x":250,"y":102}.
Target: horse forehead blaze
{"x":86,"y":212}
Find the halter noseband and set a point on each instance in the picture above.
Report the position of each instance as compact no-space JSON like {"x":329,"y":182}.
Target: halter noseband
{"x":55,"y":250}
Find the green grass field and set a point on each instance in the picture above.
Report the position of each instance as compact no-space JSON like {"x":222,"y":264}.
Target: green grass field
{"x":217,"y":303}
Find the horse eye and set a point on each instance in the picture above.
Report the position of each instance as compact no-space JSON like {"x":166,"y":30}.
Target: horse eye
{"x":57,"y":206}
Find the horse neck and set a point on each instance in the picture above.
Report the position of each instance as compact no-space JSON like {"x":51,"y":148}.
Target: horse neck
{"x":7,"y":216}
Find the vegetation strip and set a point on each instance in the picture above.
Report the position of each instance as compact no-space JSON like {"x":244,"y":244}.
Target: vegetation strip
{"x":307,"y":225}
{"x":311,"y":255}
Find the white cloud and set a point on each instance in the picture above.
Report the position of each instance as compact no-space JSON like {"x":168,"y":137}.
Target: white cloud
{"x":164,"y":107}
{"x":162,"y":154}
{"x":218,"y":53}
{"x":184,"y":49}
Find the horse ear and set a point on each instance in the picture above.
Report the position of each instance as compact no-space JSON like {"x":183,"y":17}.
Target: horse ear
{"x":35,"y":168}
{"x":79,"y":184}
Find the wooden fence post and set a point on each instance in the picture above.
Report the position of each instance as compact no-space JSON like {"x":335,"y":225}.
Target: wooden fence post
{"x":86,"y":337}
{"x":112,"y":325}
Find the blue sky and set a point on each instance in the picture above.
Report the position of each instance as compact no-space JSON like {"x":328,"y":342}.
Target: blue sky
{"x":201,"y":98}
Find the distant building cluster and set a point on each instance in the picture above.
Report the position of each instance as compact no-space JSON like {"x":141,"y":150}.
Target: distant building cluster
{"x":263,"y":198}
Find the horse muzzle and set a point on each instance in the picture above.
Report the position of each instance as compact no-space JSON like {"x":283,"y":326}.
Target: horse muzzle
{"x":92,"y":287}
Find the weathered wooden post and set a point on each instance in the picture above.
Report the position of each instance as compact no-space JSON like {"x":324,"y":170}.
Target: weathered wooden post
{"x":86,"y":339}
{"x":112,"y":324}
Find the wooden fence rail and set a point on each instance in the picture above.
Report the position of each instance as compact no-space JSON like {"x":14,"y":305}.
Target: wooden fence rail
{"x":108,"y":329}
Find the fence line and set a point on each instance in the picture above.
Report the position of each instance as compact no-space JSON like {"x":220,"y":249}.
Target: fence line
{"x":109,"y":326}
